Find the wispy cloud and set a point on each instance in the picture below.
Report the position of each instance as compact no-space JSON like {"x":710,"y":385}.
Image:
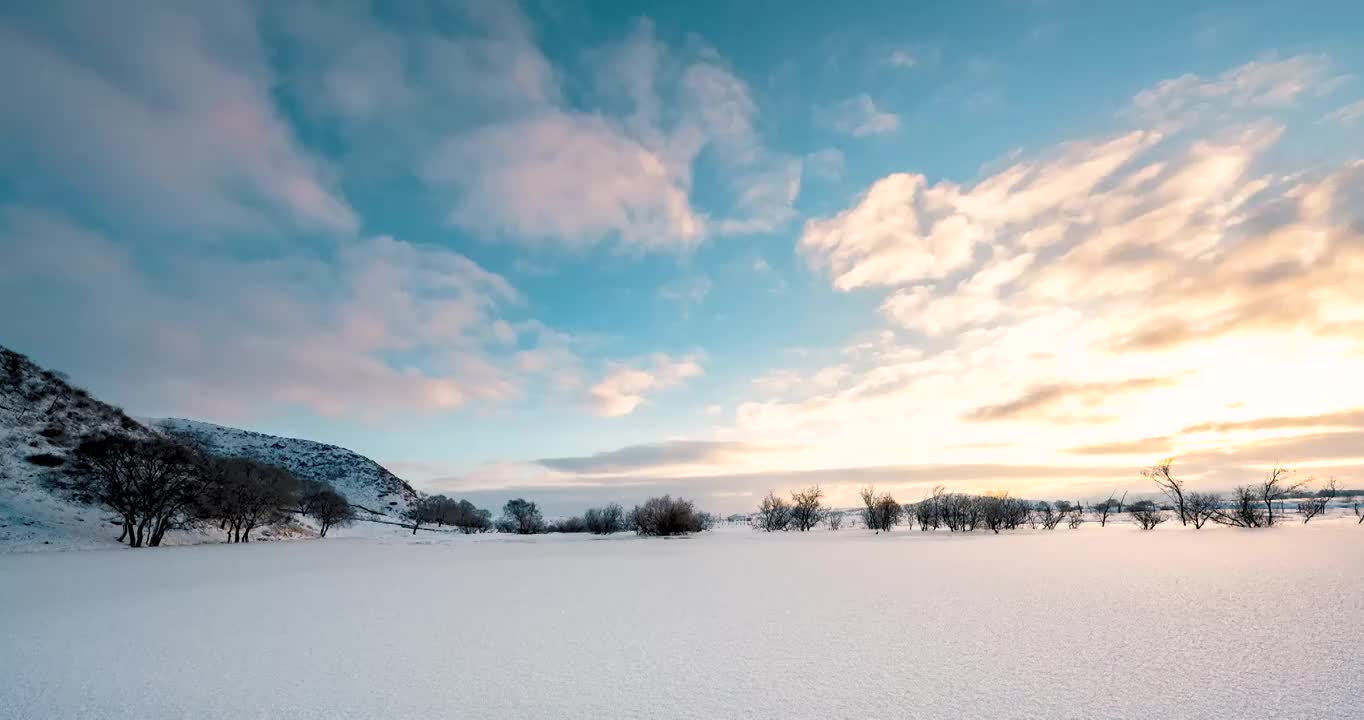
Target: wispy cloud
{"x":859,"y":116}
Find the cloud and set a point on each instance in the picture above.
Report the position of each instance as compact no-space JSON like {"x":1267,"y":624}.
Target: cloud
{"x":624,"y":387}
{"x":901,"y":59}
{"x":477,"y":110}
{"x":525,"y":180}
{"x":636,"y":458}
{"x":1270,"y":82}
{"x":1346,"y":115}
{"x":826,"y":164}
{"x":1042,"y":401}
{"x":1188,"y":257}
{"x":161,"y":117}
{"x":858,"y":116}
{"x":382,"y":327}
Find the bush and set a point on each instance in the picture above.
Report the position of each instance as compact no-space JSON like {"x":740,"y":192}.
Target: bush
{"x":666,"y":516}
{"x":1147,"y":517}
{"x":521,"y":517}
{"x":329,"y":508}
{"x":575,"y":524}
{"x":605,"y":520}
{"x":45,"y":460}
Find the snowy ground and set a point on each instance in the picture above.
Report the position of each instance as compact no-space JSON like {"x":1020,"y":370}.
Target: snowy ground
{"x":1097,"y":622}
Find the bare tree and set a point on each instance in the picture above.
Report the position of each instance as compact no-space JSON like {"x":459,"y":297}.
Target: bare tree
{"x":806,"y":511}
{"x":470,"y":519}
{"x":1317,"y":504}
{"x":1107,"y":506}
{"x":774,"y":514}
{"x":1202,"y":507}
{"x":1076,"y":517}
{"x":881,"y":512}
{"x":1148,"y":516}
{"x":1359,"y":512}
{"x":1278,"y":484}
{"x":1047,"y":515}
{"x":423,"y":511}
{"x":330,"y":509}
{"x":1244,"y":510}
{"x":245,"y":494}
{"x":834,"y":519}
{"x":151,"y":482}
{"x":1162,"y":475}
{"x":605,"y":520}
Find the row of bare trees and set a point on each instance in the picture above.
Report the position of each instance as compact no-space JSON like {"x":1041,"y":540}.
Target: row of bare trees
{"x":156,"y":484}
{"x":1249,"y":506}
{"x":661,"y":516}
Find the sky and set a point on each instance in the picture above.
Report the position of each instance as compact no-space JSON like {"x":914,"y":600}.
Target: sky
{"x":586,"y":251}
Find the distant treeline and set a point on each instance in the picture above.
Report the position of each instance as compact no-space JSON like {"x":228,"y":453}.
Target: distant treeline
{"x":1259,"y":505}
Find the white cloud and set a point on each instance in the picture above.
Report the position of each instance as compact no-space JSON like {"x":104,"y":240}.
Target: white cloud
{"x":901,"y":59}
{"x":859,"y":117}
{"x":384,"y":327}
{"x":162,"y":116}
{"x":568,"y":178}
{"x":1266,"y":83}
{"x":624,"y":386}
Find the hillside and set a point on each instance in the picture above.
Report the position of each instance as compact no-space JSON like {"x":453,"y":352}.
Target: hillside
{"x":366,"y":483}
{"x":43,"y":416}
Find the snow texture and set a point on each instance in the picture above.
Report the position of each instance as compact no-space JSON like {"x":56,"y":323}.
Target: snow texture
{"x":1095,"y":622}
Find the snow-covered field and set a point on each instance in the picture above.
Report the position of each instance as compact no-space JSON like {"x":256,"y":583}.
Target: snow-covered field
{"x":1096,"y":622}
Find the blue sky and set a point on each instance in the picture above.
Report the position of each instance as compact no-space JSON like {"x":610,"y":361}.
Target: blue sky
{"x":592,"y":249}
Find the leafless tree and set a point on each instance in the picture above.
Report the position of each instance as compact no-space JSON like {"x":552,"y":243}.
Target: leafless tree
{"x":774,"y":514}
{"x":1161,"y":474}
{"x":521,"y":517}
{"x":1075,"y":518}
{"x":834,"y":519}
{"x":1107,"y":506}
{"x":244,"y":494}
{"x":1359,"y":512}
{"x":1278,"y":484}
{"x":470,"y":519}
{"x":881,"y":512}
{"x":605,"y":520}
{"x":994,"y":511}
{"x":806,"y":511}
{"x":151,"y":482}
{"x":423,"y":511}
{"x":1244,"y":509}
{"x":330,"y":509}
{"x":1047,"y":515}
{"x":1202,"y":507}
{"x":960,"y":512}
{"x":1148,"y":516}
{"x":1317,"y":504}
{"x":928,"y":512}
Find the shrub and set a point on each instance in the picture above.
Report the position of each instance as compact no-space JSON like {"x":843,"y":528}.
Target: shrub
{"x":666,"y":516}
{"x":575,"y":524}
{"x":773,"y":513}
{"x":605,"y":520}
{"x":45,"y":460}
{"x":1148,"y":517}
{"x":521,"y":517}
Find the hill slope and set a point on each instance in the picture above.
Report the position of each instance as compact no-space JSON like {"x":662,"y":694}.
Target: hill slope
{"x":43,"y":417}
{"x":364,"y":482}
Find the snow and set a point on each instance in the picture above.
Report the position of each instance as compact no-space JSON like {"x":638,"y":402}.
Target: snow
{"x":1096,"y":622}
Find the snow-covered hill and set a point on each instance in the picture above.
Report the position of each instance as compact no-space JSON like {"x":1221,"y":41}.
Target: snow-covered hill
{"x":43,"y":417}
{"x":366,"y":483}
